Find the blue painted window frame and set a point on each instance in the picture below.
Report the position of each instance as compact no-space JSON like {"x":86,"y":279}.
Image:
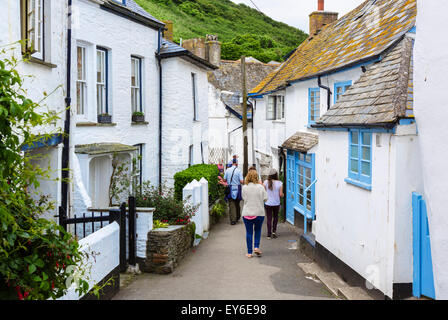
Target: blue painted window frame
{"x":313,"y":107}
{"x":344,"y":85}
{"x":356,"y":158}
{"x":302,"y":162}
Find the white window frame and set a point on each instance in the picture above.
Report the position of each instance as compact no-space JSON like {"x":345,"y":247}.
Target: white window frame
{"x":35,"y":28}
{"x":81,"y":83}
{"x":136,"y":93}
{"x":101,"y":86}
{"x":275,"y":107}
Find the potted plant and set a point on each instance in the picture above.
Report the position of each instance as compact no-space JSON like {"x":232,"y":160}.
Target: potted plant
{"x":104,"y":118}
{"x":138,"y":116}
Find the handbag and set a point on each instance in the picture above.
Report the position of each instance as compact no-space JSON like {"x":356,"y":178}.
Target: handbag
{"x":228,"y":188}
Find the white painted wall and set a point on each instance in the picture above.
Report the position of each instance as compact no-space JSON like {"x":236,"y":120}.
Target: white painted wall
{"x":103,"y":248}
{"x":431,"y":67}
{"x":123,"y":38}
{"x":224,"y":132}
{"x":39,"y":78}
{"x":180,"y":131}
{"x":371,"y":231}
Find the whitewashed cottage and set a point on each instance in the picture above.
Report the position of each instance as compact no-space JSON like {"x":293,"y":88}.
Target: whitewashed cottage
{"x":136,"y":94}
{"x":431,"y":112}
{"x":350,"y":142}
{"x":44,"y":24}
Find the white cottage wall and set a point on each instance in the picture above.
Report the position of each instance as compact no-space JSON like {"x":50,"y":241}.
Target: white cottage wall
{"x":41,"y":78}
{"x":180,"y":130}
{"x":431,"y":68}
{"x":355,"y":224}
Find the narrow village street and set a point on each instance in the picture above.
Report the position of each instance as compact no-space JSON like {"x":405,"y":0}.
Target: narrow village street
{"x":218,"y":270}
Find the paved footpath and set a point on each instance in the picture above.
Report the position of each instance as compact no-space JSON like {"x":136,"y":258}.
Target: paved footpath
{"x":218,"y":269}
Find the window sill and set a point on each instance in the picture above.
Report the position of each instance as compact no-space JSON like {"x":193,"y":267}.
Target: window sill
{"x":142,"y":123}
{"x":41,"y":62}
{"x":279,"y":121}
{"x":95,"y":124}
{"x":300,"y":210}
{"x":359,"y":184}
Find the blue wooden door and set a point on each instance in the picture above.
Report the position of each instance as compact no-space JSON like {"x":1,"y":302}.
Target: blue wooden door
{"x":423,"y":270}
{"x":290,"y":200}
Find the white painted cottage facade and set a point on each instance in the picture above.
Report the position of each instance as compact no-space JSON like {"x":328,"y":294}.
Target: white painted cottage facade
{"x":351,"y":172}
{"x":47,"y":74}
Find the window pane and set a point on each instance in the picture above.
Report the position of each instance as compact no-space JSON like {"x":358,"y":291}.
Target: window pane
{"x":366,"y":138}
{"x":366,"y":153}
{"x":308,"y":173}
{"x":308,"y":158}
{"x":365,"y":168}
{"x":355,"y":137}
{"x":354,"y":152}
{"x":354,"y":166}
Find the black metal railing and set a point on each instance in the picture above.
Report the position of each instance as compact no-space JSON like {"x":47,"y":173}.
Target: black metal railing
{"x":86,"y":225}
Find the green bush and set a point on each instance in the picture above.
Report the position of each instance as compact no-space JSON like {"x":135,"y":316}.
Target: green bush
{"x":207,"y":171}
{"x":218,"y":210}
{"x":167,"y":208}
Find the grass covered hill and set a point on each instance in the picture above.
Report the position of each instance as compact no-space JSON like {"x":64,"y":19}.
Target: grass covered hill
{"x":241,"y":29}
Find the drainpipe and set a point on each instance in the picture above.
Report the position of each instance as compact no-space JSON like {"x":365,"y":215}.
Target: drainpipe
{"x":329,"y":93}
{"x":159,"y":60}
{"x":66,"y":136}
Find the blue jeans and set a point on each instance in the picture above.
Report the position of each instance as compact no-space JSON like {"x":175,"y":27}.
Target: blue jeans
{"x":252,"y":226}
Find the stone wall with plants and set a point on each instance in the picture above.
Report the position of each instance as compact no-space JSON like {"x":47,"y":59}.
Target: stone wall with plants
{"x":167,"y":247}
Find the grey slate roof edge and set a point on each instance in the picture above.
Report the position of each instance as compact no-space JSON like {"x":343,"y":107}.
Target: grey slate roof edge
{"x":301,"y":135}
{"x":400,"y":95}
{"x":132,"y":14}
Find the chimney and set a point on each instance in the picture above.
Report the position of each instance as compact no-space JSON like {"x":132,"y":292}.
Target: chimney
{"x":213,"y":49}
{"x":196,"y":46}
{"x":319,"y":19}
{"x":168,"y":34}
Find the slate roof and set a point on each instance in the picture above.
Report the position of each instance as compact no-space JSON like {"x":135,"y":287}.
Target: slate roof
{"x":382,"y":95}
{"x":233,"y":104}
{"x":170,"y":49}
{"x":132,"y":6}
{"x":361,"y":35}
{"x":301,"y":141}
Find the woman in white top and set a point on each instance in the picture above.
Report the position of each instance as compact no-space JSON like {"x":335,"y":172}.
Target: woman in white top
{"x":254,"y":196}
{"x":274,"y":188}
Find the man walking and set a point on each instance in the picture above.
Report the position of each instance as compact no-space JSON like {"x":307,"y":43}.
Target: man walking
{"x":234,"y":178}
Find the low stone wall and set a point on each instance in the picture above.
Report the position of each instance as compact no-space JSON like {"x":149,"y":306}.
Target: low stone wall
{"x":166,"y":248}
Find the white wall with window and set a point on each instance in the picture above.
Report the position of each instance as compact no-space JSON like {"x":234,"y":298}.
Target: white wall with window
{"x":368,"y":213}
{"x":43,"y":22}
{"x":114,"y":73}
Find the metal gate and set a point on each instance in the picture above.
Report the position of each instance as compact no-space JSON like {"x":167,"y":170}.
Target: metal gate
{"x":96,"y":219}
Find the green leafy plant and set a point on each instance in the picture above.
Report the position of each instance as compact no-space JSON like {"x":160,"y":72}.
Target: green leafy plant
{"x":157,"y":224}
{"x":36,"y":254}
{"x":197,"y":172}
{"x":138,"y":113}
{"x":218,"y":210}
{"x":167,"y":208}
{"x":123,"y":180}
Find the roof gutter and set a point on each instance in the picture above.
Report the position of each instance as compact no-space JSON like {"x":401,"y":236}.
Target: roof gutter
{"x":65,"y":166}
{"x":383,"y":125}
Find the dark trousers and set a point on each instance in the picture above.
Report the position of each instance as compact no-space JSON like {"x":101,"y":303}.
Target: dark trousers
{"x":272,"y":214}
{"x":234,"y":210}
{"x":253,"y":226}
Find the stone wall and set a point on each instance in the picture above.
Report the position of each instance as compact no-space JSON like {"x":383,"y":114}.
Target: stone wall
{"x":166,"y":248}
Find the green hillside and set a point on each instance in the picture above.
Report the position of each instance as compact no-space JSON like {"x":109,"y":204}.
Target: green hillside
{"x":241,"y":29}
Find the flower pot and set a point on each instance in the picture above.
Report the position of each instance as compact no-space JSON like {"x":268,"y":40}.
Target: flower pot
{"x":138,"y":118}
{"x":104,"y":118}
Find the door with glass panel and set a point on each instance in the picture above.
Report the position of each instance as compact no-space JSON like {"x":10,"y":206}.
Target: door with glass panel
{"x":290,"y":187}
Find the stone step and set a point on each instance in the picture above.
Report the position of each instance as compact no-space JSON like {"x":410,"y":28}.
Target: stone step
{"x":354,"y":293}
{"x":310,"y":268}
{"x":332,"y":281}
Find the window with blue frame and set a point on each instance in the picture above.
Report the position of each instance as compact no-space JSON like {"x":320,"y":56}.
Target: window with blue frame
{"x":360,"y":158}
{"x":340,"y":88}
{"x":313,"y":105}
{"x":304,"y":189}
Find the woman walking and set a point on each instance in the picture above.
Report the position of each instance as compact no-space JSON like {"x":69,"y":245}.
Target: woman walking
{"x":254,"y":195}
{"x":274,"y":188}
